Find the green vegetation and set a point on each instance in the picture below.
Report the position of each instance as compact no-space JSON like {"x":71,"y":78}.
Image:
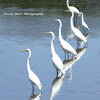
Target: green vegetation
{"x":50,"y":4}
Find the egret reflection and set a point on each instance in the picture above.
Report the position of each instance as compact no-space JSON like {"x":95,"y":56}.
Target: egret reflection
{"x":86,"y":36}
{"x":56,"y":85}
{"x":70,"y":34}
{"x":35,"y":97}
{"x":68,"y":63}
{"x":80,"y":52}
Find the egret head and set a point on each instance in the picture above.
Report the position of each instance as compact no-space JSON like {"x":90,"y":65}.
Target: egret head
{"x":69,"y":11}
{"x":27,"y":50}
{"x":56,"y":20}
{"x":49,"y":32}
{"x":66,"y":10}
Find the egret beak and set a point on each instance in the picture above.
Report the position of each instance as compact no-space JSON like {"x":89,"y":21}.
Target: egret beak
{"x":66,"y":10}
{"x":54,"y":20}
{"x":46,"y":33}
{"x":24,"y":50}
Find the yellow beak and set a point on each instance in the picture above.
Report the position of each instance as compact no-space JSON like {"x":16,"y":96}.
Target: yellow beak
{"x":46,"y":33}
{"x":66,"y":10}
{"x":54,"y":20}
{"x":24,"y":50}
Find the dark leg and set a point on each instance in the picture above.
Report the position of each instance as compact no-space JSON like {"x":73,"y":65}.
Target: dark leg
{"x":57,"y":72}
{"x":32,"y":89}
{"x":84,"y":30}
{"x":78,"y":44}
{"x":67,"y":55}
{"x":76,"y":19}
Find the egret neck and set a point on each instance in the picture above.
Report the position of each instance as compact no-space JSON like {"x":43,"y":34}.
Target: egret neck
{"x":82,"y":18}
{"x":67,"y":3}
{"x":60,"y":36}
{"x":71,"y":20}
{"x":28,"y":65}
{"x":52,"y":46}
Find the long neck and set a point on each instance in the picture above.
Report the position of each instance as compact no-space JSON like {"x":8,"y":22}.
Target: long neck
{"x":71,"y":21}
{"x":52,"y":45}
{"x":60,"y":36}
{"x":28,"y":65}
{"x":67,"y":3}
{"x":82,"y":18}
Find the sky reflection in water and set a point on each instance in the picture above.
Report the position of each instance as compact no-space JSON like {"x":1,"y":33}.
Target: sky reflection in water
{"x":21,"y":32}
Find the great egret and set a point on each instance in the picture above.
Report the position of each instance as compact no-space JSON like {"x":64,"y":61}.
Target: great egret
{"x":32,"y":77}
{"x":74,"y":9}
{"x":78,"y":35}
{"x":58,"y":64}
{"x":64,"y":44}
{"x":83,"y":23}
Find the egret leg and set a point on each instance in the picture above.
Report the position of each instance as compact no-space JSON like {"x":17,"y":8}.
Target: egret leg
{"x":57,"y":72}
{"x":84,"y":30}
{"x":32,"y":89}
{"x":67,"y":55}
{"x":78,"y":44}
{"x":76,"y":19}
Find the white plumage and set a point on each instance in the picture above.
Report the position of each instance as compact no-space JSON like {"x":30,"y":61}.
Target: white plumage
{"x":83,"y":22}
{"x":32,"y":76}
{"x":58,"y":64}
{"x":64,"y":44}
{"x":74,"y":9}
{"x":78,"y":35}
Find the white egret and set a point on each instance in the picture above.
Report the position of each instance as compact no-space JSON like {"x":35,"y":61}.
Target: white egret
{"x":78,"y":35}
{"x":85,"y":26}
{"x":74,"y":9}
{"x":32,"y":77}
{"x":58,"y":64}
{"x":64,"y":44}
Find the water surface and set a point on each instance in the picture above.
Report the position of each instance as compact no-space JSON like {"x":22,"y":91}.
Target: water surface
{"x":81,"y":80}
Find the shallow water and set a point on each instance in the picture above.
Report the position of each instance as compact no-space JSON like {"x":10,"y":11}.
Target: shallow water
{"x":18,"y":32}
